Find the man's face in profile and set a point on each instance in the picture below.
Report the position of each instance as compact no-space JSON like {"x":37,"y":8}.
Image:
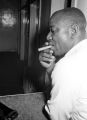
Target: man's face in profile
{"x":60,"y":37}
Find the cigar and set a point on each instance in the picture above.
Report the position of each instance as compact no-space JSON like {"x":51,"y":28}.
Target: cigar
{"x":44,"y":48}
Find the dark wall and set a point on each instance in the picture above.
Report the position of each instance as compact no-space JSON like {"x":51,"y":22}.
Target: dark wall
{"x":8,"y":38}
{"x":9,"y":4}
{"x":9,"y":35}
{"x":11,"y":72}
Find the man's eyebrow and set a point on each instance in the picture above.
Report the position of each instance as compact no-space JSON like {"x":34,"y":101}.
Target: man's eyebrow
{"x":51,"y":27}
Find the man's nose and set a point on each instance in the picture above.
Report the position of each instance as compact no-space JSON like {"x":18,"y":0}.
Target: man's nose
{"x":49,"y":36}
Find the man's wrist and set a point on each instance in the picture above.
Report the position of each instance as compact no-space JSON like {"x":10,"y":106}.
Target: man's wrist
{"x":50,"y":69}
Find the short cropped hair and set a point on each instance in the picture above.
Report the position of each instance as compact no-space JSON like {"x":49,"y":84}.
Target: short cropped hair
{"x":72,"y":15}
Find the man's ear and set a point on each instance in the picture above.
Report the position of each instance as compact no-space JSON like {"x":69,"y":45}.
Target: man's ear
{"x":74,"y":29}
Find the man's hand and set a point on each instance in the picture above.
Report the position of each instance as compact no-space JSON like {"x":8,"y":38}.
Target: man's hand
{"x":47,"y":60}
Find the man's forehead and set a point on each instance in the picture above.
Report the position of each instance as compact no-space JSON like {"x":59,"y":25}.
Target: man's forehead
{"x":53,"y":20}
{"x":52,"y":26}
{"x":55,"y":23}
{"x":62,"y":21}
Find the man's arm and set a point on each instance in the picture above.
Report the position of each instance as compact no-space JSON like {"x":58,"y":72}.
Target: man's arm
{"x":47,"y":61}
{"x":60,"y":104}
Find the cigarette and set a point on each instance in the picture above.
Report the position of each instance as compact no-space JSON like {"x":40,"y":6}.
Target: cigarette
{"x":44,"y":48}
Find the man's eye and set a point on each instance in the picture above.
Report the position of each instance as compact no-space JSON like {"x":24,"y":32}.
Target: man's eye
{"x":52,"y":31}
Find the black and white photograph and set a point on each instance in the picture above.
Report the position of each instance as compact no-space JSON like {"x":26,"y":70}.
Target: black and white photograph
{"x":43,"y":59}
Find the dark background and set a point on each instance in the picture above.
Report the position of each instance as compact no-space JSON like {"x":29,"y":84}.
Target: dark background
{"x":20,"y":75}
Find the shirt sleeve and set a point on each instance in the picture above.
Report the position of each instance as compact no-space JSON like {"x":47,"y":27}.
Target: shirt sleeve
{"x":59,"y":105}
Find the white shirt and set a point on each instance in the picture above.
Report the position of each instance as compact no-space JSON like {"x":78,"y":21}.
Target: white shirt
{"x":69,"y":80}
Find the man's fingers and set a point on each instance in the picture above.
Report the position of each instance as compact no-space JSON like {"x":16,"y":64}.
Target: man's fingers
{"x":47,"y":58}
{"x":45,"y":64}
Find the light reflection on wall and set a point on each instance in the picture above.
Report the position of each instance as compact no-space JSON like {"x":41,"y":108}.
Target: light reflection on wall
{"x":8,"y":18}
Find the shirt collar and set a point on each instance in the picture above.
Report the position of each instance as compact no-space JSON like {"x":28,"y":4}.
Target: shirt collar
{"x":78,"y":46}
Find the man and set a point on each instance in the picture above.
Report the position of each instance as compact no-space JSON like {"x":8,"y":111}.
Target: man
{"x":67,"y":37}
